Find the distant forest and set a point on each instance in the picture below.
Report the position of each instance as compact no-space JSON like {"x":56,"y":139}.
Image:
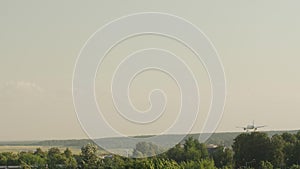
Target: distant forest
{"x":225,"y":139}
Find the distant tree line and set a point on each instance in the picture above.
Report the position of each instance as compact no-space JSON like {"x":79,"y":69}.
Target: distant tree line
{"x":249,"y":150}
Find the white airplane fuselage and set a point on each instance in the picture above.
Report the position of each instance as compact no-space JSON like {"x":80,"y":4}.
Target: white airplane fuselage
{"x":250,"y":127}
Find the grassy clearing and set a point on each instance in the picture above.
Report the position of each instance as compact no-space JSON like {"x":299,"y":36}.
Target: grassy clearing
{"x":16,"y":149}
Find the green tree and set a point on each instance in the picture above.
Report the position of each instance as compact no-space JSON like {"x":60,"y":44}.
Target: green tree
{"x":70,"y":161}
{"x":29,"y":159}
{"x":252,"y":148}
{"x":12,"y":158}
{"x":146,"y":149}
{"x":223,"y":157}
{"x":265,"y":165}
{"x":155,"y":163}
{"x":277,"y":144}
{"x":207,"y":164}
{"x":289,"y":138}
{"x":297,"y":135}
{"x":117,"y":162}
{"x":165,"y":164}
{"x":176,"y":153}
{"x":198,"y":164}
{"x":88,"y":156}
{"x":191,"y":150}
{"x":292,"y":153}
{"x":3,"y":159}
{"x":194,"y":150}
{"x":68,"y":153}
{"x":40,"y":152}
{"x":55,"y":159}
{"x":25,"y":166}
{"x":295,"y":166}
{"x":289,"y":148}
{"x":288,"y":151}
{"x":143,"y":163}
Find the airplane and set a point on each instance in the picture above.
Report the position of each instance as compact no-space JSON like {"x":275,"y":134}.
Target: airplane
{"x":251,"y":127}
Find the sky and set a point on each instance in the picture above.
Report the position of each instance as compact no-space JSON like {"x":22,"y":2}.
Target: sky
{"x":257,"y":41}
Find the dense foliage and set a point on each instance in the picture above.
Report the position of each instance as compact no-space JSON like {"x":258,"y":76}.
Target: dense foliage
{"x":250,"y":150}
{"x":257,"y":150}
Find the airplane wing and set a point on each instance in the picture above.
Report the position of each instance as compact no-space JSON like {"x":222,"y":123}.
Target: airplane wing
{"x":242,"y":127}
{"x":260,"y":126}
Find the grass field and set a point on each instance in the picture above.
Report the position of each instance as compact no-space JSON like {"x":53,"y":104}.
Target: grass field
{"x":75,"y":150}
{"x":16,"y":149}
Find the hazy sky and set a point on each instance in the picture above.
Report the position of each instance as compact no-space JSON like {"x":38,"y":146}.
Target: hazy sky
{"x":258,"y":42}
